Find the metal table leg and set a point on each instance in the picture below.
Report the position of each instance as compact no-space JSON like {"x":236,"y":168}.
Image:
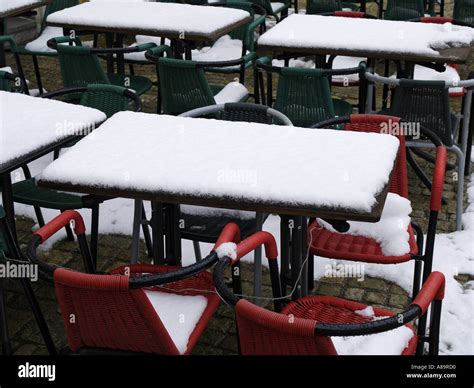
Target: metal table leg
{"x":8,"y":205}
{"x":157,"y":232}
{"x":173,"y":235}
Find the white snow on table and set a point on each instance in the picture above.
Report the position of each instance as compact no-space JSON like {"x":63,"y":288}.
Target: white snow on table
{"x":30,"y":123}
{"x":391,"y":232}
{"x":201,"y":157}
{"x":367,"y":35}
{"x":178,"y":313}
{"x":8,"y":5}
{"x":140,"y":16}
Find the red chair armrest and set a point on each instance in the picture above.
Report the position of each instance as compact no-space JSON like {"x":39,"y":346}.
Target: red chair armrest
{"x":433,"y":289}
{"x":230,"y":233}
{"x":60,"y":222}
{"x":438,"y":179}
{"x":254,"y":241}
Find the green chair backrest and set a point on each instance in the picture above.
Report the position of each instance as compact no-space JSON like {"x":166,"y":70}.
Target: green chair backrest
{"x":109,"y":99}
{"x":5,"y":83}
{"x":321,"y":6}
{"x":404,"y":9}
{"x":241,"y":32}
{"x":464,"y":11}
{"x":80,"y":67}
{"x":304,"y":95}
{"x":57,"y":5}
{"x":183,"y":86}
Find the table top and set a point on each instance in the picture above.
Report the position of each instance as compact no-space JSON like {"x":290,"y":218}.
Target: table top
{"x":31,"y":125}
{"x":166,"y":20}
{"x":235,"y":165}
{"x":10,"y":8}
{"x":370,"y":38}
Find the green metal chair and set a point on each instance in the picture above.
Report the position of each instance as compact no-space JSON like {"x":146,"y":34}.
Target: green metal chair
{"x":4,"y":39}
{"x":80,"y":66}
{"x":9,"y":251}
{"x":464,"y":11}
{"x":304,"y":95}
{"x":404,"y":9}
{"x":38,"y":47}
{"x":107,"y":98}
{"x":183,"y":85}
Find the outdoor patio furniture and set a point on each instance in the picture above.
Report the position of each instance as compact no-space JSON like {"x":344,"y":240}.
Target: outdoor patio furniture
{"x":10,"y":251}
{"x":304,"y":94}
{"x":8,"y":39}
{"x":183,"y":85}
{"x":404,"y":9}
{"x":38,"y":47}
{"x":464,"y":11}
{"x":193,"y":151}
{"x":136,"y":308}
{"x":6,"y":81}
{"x":427,"y":103}
{"x":329,"y":243}
{"x":80,"y":66}
{"x":308,"y":326}
{"x":183,"y":24}
{"x":317,"y":7}
{"x":12,"y":9}
{"x":33,"y":132}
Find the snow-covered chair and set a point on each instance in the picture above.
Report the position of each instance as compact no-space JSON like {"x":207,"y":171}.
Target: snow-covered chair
{"x":324,"y":325}
{"x":136,"y":308}
{"x":392,"y":240}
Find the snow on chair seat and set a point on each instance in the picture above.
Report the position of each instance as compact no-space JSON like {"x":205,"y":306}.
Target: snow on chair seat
{"x":223,"y":49}
{"x":232,"y":92}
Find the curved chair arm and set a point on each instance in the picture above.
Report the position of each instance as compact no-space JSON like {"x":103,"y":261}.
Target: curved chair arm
{"x":53,"y":42}
{"x":376,"y":78}
{"x":229,"y":63}
{"x":157,"y":52}
{"x":330,"y":122}
{"x":124,"y":50}
{"x":269,"y":68}
{"x":8,"y":39}
{"x":441,"y":20}
{"x":8,"y":76}
{"x":198,"y":112}
{"x":349,"y":14}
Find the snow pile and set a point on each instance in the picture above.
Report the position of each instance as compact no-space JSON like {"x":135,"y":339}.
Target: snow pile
{"x":391,"y":231}
{"x":232,"y":92}
{"x":40,"y":43}
{"x":178,"y":313}
{"x":228,"y":249}
{"x":224,"y":49}
{"x":366,"y":35}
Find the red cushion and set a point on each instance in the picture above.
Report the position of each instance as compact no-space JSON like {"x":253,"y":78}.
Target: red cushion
{"x":335,"y":245}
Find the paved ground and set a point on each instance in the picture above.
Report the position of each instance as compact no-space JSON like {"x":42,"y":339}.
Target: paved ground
{"x":219,"y":338}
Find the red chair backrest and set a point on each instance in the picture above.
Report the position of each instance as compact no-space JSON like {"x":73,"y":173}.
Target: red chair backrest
{"x":383,"y":124}
{"x":264,"y":332}
{"x":100,"y":311}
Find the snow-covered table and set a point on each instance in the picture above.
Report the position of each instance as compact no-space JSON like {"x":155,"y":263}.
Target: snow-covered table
{"x":10,"y":8}
{"x":296,"y":172}
{"x":167,"y":20}
{"x":31,"y":127}
{"x":369,"y":38}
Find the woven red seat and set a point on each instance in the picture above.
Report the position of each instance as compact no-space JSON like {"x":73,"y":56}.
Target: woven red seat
{"x":109,"y":315}
{"x":332,"y":310}
{"x":355,"y":248}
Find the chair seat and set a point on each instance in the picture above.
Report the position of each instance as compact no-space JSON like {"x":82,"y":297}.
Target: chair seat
{"x":27,"y":192}
{"x":327,"y":309}
{"x":343,"y":62}
{"x":343,"y":246}
{"x":277,"y":7}
{"x":232,"y":92}
{"x":207,"y":227}
{"x":138,"y":83}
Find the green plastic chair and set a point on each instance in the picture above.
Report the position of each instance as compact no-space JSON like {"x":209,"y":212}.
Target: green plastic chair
{"x":55,"y":6}
{"x":274,"y":8}
{"x":315,"y":7}
{"x":304,"y":95}
{"x":107,"y":98}
{"x":80,"y":66}
{"x":182,"y":84}
{"x":404,"y":9}
{"x":464,"y":11}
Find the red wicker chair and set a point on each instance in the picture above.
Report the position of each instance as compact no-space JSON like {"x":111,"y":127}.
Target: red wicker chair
{"x":121,"y":311}
{"x":305,"y":326}
{"x":336,"y":245}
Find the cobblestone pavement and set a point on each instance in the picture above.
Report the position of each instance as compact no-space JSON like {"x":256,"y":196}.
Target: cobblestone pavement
{"x":220,"y":336}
